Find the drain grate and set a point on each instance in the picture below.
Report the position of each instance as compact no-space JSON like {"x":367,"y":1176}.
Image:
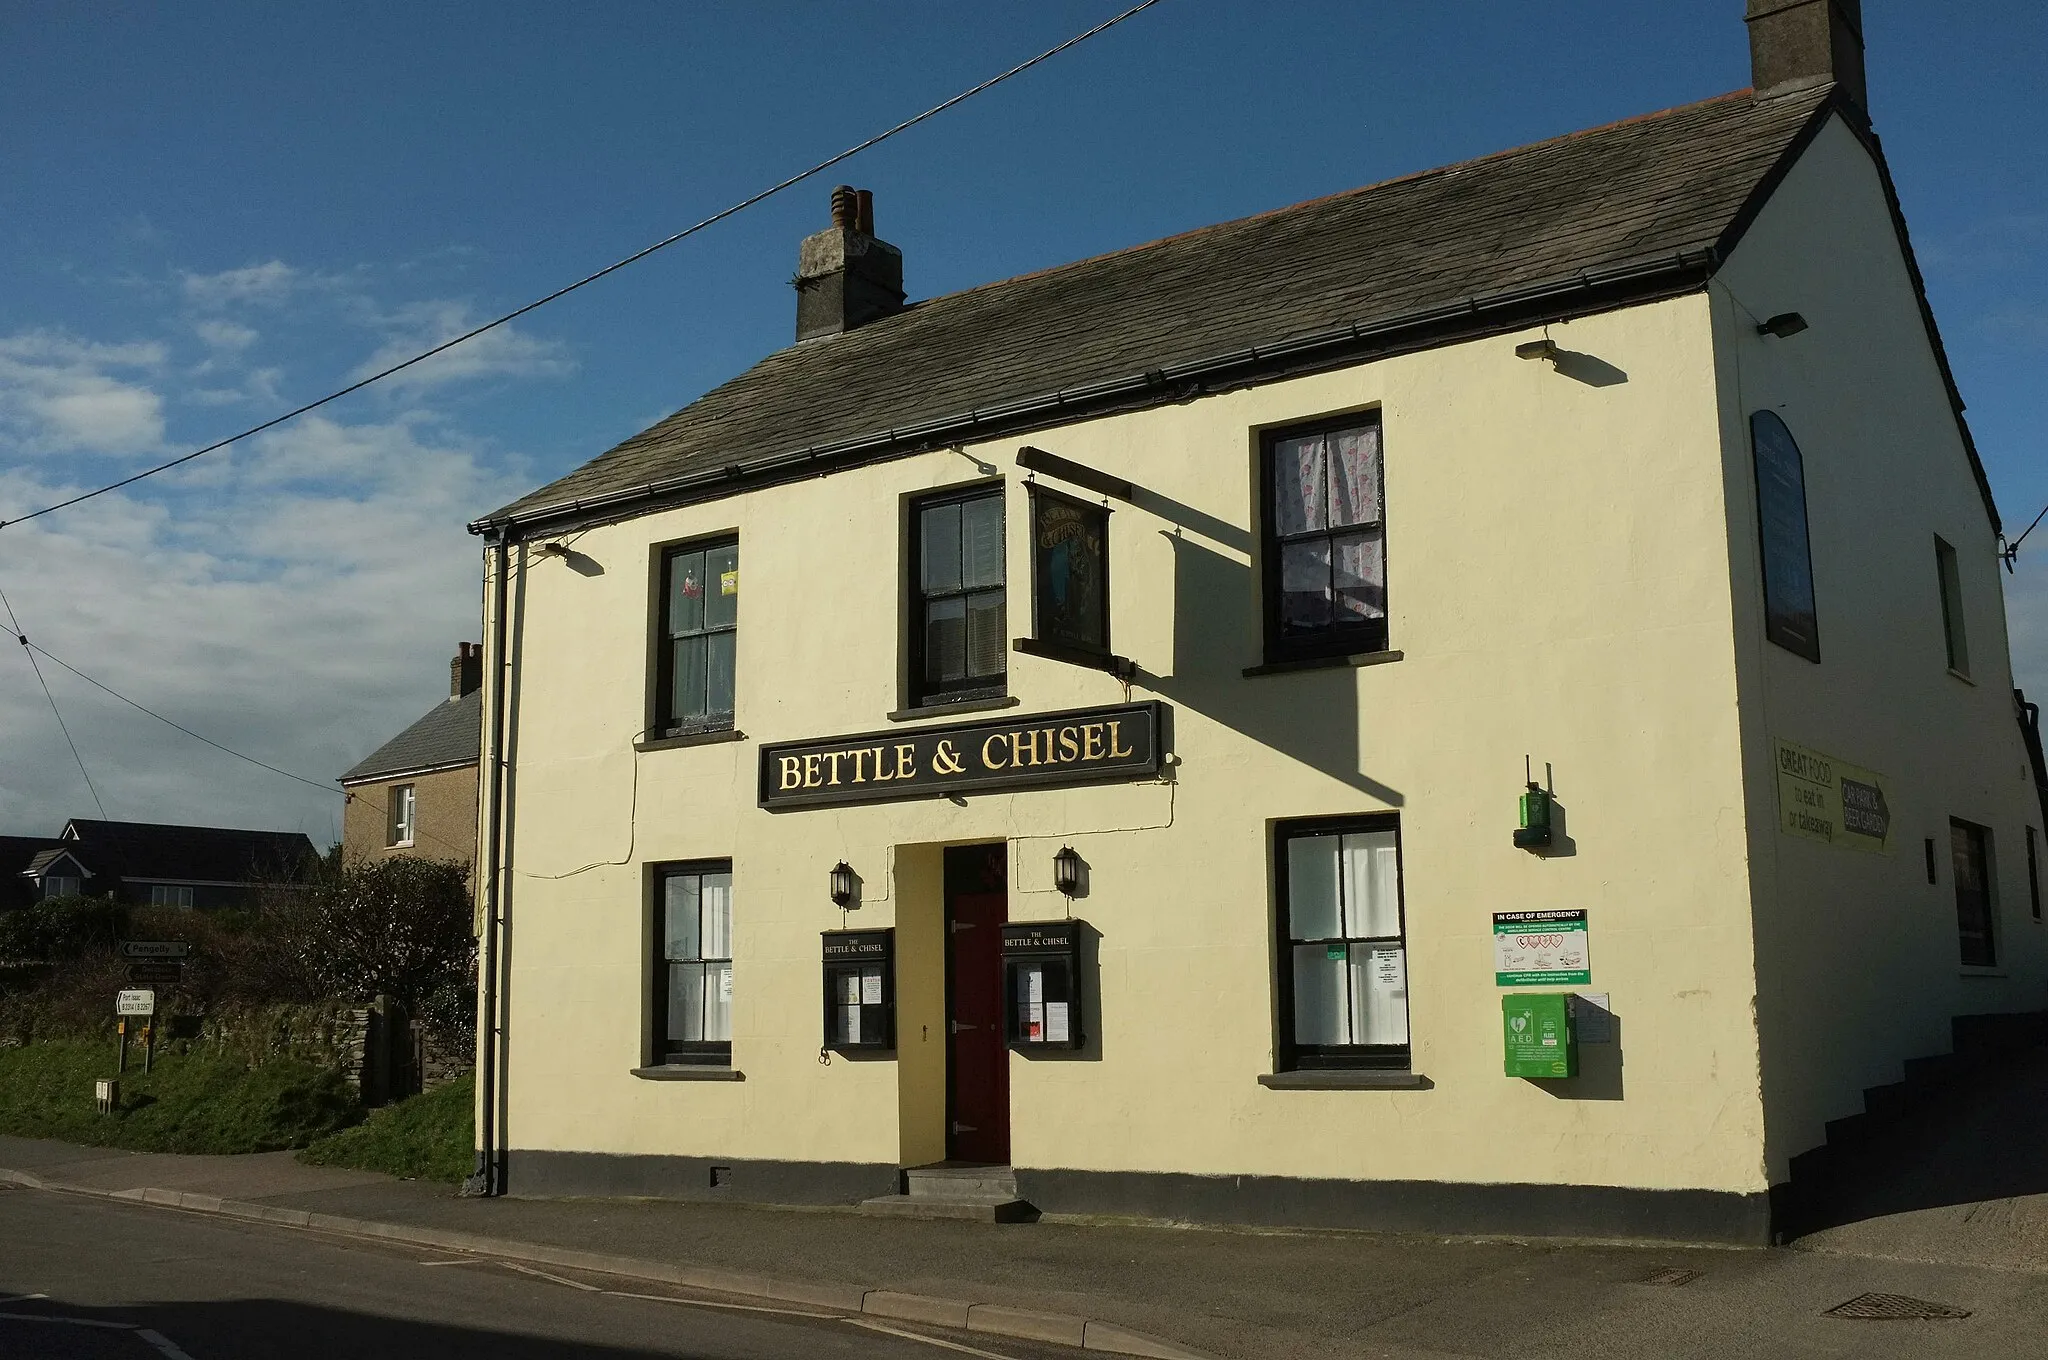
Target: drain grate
{"x":1673,"y":1277}
{"x":1894,"y":1308}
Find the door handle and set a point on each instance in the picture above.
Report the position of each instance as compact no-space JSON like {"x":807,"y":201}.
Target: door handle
{"x":959,"y":925}
{"x":959,"y":1127}
{"x":959,"y":1028}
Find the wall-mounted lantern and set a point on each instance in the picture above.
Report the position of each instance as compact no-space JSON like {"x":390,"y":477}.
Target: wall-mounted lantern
{"x":1533,"y":832}
{"x":1066,"y":871}
{"x":842,"y":885}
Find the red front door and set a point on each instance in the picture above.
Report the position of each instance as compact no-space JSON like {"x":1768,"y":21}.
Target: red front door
{"x":978,"y":1062}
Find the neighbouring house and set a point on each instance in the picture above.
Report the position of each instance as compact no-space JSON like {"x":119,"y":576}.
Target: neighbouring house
{"x":154,"y":864}
{"x":416,"y":794}
{"x":1546,"y":745}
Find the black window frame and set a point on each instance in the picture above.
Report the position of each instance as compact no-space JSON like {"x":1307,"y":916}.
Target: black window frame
{"x":666,"y":723}
{"x":664,"y":1051}
{"x":2034,"y":872}
{"x":1971,"y":942}
{"x":1955,"y":632}
{"x":1288,"y":1055}
{"x":923,"y":693}
{"x":1339,"y":639}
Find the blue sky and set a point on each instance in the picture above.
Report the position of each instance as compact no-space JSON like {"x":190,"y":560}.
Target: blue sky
{"x":210,"y":213}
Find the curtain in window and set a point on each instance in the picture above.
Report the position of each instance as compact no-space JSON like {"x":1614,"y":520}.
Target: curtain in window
{"x":960,"y":554}
{"x":1328,"y":485}
{"x":697,"y":942}
{"x":703,"y":614}
{"x":1349,"y":961}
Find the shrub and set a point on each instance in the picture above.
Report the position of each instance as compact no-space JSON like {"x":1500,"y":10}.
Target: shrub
{"x":60,"y":928}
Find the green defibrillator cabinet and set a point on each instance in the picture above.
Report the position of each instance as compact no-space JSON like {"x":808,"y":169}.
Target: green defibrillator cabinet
{"x":1539,"y":1037}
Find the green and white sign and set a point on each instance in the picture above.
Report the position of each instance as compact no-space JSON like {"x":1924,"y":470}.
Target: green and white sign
{"x":1541,"y":949}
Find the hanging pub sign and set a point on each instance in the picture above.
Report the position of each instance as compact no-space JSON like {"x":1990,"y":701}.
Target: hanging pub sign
{"x":1069,"y":572}
{"x":1789,"y":616}
{"x":1078,"y":746}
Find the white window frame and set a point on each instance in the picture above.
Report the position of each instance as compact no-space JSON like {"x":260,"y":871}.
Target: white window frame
{"x":401,"y":820}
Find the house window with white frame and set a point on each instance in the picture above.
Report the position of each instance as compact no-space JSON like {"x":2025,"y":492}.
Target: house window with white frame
{"x":61,"y":885}
{"x":401,"y":809}
{"x":170,"y":895}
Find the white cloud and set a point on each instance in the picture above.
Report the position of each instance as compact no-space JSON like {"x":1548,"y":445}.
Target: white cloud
{"x":229,"y":337}
{"x":62,"y":395}
{"x":270,"y":282}
{"x":297,"y":601}
{"x":2026,"y":612}
{"x":504,"y":352}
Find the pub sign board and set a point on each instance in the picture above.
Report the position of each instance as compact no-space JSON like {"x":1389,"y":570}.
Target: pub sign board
{"x":1069,"y":571}
{"x":1077,"y":746}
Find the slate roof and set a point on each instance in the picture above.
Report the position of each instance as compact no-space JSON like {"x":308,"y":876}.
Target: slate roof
{"x":1633,"y":201}
{"x":45,"y":858}
{"x":207,"y":854}
{"x":449,"y":734}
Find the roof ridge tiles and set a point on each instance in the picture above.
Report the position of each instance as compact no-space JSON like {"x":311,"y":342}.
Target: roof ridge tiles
{"x":1470,"y":162}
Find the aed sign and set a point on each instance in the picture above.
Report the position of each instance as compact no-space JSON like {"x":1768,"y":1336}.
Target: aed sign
{"x":1541,"y":948}
{"x":1828,"y":800}
{"x":135,"y":1002}
{"x":1074,"y":747}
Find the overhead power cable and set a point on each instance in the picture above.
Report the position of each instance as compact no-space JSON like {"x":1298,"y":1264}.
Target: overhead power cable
{"x":587,"y":279}
{"x":30,"y":652}
{"x":325,"y":787}
{"x":2011,"y":551}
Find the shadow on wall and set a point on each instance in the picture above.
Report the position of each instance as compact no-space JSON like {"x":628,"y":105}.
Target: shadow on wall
{"x":1309,"y":715}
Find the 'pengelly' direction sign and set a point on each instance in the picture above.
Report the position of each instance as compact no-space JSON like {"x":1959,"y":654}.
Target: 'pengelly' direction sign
{"x":155,"y":949}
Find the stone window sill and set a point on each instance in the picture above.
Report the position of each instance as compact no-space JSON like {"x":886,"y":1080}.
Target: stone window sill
{"x":722,"y":734}
{"x":1962,"y":677}
{"x":965,"y":706}
{"x":1320,"y":663}
{"x":688,"y":1072}
{"x":1347,"y":1079}
{"x":1972,"y":970}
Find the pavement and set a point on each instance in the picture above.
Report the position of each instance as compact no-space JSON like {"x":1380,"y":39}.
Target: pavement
{"x":99,"y":1279}
{"x":1122,"y":1288}
{"x":1961,"y":1179}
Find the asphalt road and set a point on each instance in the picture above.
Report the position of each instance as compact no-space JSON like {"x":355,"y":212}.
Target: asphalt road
{"x":90,"y":1280}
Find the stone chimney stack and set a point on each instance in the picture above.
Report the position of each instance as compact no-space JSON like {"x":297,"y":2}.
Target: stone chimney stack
{"x":1797,"y":43}
{"x":466,"y":671}
{"x":845,"y":277}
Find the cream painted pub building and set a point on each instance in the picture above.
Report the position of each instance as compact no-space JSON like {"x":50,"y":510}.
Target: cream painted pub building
{"x":1479,"y":703}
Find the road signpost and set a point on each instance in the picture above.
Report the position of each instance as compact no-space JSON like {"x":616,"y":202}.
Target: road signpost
{"x":155,"y":949}
{"x":156,"y":974}
{"x":138,"y":1002}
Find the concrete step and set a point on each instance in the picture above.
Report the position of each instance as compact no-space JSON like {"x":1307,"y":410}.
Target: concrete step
{"x":979,"y":1209}
{"x":961,"y":1182}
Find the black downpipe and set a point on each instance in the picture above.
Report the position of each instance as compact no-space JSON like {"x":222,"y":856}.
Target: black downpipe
{"x":488,"y":1178}
{"x":2030,"y":731}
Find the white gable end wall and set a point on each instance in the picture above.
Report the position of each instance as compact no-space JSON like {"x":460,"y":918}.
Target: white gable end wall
{"x":1857,"y":953}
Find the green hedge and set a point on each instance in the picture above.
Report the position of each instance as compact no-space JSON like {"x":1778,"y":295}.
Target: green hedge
{"x":430,"y":1137}
{"x":197,"y":1101}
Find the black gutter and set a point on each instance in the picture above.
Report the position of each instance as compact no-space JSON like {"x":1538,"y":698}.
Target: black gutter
{"x":488,"y":1177}
{"x":1579,"y":295}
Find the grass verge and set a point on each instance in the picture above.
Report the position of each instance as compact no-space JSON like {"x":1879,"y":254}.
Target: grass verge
{"x":428,"y":1137}
{"x":197,"y":1101}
